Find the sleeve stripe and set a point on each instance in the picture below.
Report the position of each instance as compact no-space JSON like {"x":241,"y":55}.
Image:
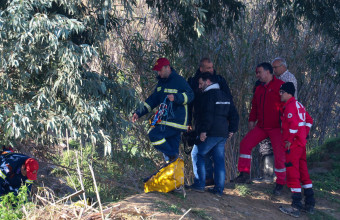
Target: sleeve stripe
{"x":185,"y":98}
{"x":29,"y":181}
{"x":309,"y":125}
{"x":147,"y":106}
{"x":2,"y":175}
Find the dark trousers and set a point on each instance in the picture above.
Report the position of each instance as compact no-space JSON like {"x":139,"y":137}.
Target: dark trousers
{"x":166,"y":139}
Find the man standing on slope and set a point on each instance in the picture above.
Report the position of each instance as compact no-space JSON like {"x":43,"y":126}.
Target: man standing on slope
{"x":173,"y":91}
{"x":264,"y":121}
{"x":281,"y":72}
{"x":218,"y":120}
{"x":205,"y":65}
{"x":296,"y":123}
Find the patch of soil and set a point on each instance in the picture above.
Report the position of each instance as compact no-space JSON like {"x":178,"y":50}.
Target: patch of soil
{"x":257,"y":204}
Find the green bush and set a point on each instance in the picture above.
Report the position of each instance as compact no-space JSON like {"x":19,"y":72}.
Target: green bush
{"x":329,"y":150}
{"x":11,"y":205}
{"x":113,"y":174}
{"x":326,"y":183}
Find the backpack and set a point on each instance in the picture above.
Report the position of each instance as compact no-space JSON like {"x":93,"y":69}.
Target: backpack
{"x":168,"y":178}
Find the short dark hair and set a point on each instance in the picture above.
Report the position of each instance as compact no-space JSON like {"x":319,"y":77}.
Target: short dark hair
{"x":206,"y":75}
{"x":266,"y":66}
{"x":203,"y":60}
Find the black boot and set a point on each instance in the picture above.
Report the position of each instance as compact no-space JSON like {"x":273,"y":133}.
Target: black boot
{"x":278,"y":189}
{"x":242,"y":178}
{"x":297,"y":197}
{"x":294,"y":209}
{"x":309,"y":201}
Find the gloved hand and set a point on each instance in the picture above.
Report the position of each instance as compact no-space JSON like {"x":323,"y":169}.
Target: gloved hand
{"x":4,"y":183}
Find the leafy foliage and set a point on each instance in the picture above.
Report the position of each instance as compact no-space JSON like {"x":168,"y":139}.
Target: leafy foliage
{"x":187,"y":20}
{"x":11,"y":205}
{"x":323,"y":15}
{"x":47,"y":86}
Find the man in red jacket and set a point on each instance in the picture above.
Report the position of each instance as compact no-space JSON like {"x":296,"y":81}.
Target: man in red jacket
{"x":296,"y":124}
{"x":264,"y":122}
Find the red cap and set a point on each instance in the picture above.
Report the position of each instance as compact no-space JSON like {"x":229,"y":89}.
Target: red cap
{"x":32,"y":167}
{"x":160,"y":63}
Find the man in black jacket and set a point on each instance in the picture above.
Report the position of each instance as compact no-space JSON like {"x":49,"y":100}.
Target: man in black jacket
{"x":217,"y":120}
{"x":205,"y":65}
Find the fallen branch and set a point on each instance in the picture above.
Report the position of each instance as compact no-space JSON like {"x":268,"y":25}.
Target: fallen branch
{"x":44,"y":200}
{"x":81,"y":180}
{"x":70,"y":196}
{"x":185,"y":214}
{"x":97,"y":193}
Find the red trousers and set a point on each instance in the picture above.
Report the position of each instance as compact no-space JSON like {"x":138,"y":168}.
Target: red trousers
{"x":297,"y":171}
{"x":254,"y":137}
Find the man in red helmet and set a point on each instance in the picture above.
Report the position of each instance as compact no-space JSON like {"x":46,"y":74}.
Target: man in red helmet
{"x":172,"y":91}
{"x":16,"y":170}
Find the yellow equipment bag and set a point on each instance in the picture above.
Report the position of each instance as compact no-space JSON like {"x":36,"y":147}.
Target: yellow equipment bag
{"x":167,"y":179}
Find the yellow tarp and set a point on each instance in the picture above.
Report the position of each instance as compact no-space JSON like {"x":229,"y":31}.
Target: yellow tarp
{"x":167,"y":178}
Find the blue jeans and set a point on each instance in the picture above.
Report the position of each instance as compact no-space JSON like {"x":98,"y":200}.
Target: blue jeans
{"x":165,"y":139}
{"x":208,"y":164}
{"x":215,"y":145}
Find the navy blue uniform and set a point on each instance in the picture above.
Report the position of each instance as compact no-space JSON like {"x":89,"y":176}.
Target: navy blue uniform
{"x":165,"y":136}
{"x":10,"y":173}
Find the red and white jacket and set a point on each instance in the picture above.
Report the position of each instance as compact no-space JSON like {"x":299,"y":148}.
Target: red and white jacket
{"x":296,"y":122}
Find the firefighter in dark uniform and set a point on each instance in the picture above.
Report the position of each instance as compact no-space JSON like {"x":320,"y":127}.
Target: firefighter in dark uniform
{"x":16,"y":170}
{"x":174,"y":92}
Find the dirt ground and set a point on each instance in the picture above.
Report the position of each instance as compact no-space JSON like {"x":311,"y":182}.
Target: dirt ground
{"x":258,"y":203}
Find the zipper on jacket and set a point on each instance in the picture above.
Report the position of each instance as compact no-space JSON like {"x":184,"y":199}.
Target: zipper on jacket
{"x":264,"y":99}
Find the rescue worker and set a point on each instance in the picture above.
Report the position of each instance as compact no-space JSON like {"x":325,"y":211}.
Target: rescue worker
{"x":176,"y":93}
{"x":281,"y":72}
{"x":266,"y":152}
{"x":15,"y":170}
{"x":296,"y":123}
{"x":205,"y":65}
{"x":218,"y":120}
{"x":264,"y":121}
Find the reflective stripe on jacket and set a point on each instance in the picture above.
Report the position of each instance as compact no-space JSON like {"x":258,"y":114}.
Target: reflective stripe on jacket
{"x":218,"y":115}
{"x":296,"y":122}
{"x":176,"y":85}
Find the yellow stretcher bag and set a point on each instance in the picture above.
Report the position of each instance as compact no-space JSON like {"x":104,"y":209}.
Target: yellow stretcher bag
{"x":167,"y":179}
